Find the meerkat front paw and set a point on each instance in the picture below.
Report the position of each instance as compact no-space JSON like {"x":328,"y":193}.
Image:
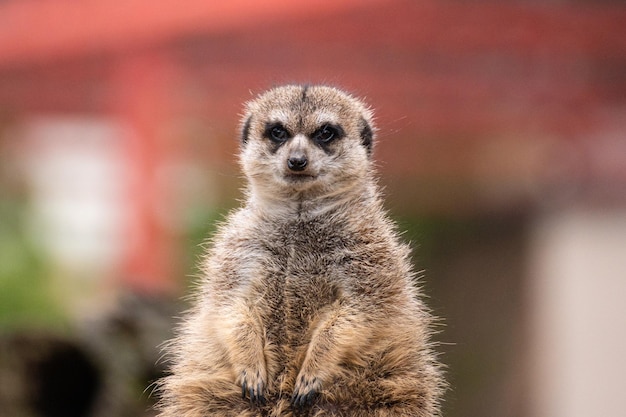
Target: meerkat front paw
{"x":306,"y":390}
{"x":253,"y":385}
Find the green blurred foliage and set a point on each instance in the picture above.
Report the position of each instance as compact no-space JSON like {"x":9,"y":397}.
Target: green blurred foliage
{"x":26,"y":295}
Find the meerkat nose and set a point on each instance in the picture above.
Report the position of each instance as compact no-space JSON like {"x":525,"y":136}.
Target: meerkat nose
{"x":297,"y":162}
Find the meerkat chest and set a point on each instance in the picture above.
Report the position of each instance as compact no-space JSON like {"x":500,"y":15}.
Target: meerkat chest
{"x":306,"y":274}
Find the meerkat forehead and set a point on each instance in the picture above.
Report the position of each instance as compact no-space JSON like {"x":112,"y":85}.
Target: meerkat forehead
{"x":304,"y":108}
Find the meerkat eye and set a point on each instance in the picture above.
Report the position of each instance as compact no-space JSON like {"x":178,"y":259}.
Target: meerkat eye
{"x":277,"y":133}
{"x":326,"y":133}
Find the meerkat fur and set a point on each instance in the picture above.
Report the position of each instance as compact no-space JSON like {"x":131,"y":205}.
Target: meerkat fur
{"x":308,"y":305}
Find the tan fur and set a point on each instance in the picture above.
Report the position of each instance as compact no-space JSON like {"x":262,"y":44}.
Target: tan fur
{"x":308,"y":303}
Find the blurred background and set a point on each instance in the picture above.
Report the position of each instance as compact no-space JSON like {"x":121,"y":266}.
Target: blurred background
{"x":501,"y":147}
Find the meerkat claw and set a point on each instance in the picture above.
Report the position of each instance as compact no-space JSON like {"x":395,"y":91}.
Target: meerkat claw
{"x":305,"y":392}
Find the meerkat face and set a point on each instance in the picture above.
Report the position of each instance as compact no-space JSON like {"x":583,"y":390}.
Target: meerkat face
{"x":300,"y":138}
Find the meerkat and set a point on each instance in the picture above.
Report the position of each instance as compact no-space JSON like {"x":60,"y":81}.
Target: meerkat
{"x":308,"y":303}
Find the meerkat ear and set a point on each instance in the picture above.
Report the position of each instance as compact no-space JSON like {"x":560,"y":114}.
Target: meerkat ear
{"x":245,"y":130}
{"x":367,"y":135}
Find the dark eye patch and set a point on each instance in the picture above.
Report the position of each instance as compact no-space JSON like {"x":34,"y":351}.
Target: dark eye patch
{"x":277,"y":133}
{"x":327,"y":133}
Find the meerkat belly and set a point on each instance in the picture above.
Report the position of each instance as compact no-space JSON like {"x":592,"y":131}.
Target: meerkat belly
{"x":298,"y":292}
{"x":302,"y":280}
{"x":306,"y":296}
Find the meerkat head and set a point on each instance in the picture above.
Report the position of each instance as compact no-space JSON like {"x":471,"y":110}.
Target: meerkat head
{"x":300,"y":141}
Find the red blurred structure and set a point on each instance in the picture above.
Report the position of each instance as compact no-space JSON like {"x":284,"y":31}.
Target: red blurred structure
{"x":459,"y":85}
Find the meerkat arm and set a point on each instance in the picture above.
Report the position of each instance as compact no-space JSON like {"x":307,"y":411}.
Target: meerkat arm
{"x":243,"y":333}
{"x":340,"y":335}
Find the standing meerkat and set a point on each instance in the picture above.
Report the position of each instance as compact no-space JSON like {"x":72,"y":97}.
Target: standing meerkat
{"x":308,"y":304}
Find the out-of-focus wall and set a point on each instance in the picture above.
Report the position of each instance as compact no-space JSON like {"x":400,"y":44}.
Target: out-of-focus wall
{"x":576,"y":313}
